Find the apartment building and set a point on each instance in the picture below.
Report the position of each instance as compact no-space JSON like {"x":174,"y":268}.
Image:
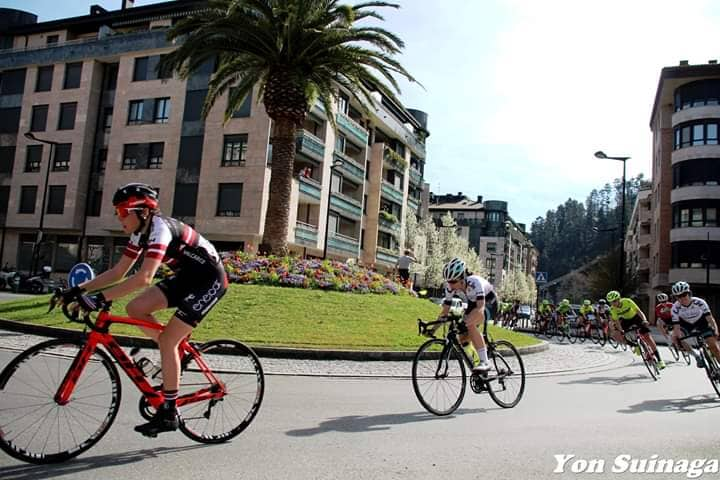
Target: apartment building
{"x":684,"y":227}
{"x":82,"y":105}
{"x":502,"y":244}
{"x":637,"y":245}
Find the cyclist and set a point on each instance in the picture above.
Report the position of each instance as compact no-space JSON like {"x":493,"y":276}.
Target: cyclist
{"x":563,"y":309}
{"x":478,"y":293}
{"x":693,"y":314}
{"x":663,"y":314}
{"x":603,"y":312}
{"x":198,"y":282}
{"x":625,"y":314}
{"x":586,"y":314}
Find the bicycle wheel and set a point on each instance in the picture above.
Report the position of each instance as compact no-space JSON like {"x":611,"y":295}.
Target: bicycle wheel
{"x":596,"y":336}
{"x":438,"y":376}
{"x":34,"y":428}
{"x":648,"y":359}
{"x":238,"y":368}
{"x":576,"y":334}
{"x":686,"y":356}
{"x":550,"y":329}
{"x":711,"y":368}
{"x":563,"y":333}
{"x":506,"y":379}
{"x":611,"y":340}
{"x":674,"y":351}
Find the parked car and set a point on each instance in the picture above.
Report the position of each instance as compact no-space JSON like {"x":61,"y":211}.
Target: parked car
{"x":524,"y":311}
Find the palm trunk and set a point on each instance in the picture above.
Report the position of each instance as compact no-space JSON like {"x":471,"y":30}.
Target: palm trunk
{"x":281,"y":173}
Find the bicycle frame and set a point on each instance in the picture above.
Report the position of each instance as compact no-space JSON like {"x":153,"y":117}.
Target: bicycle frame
{"x":100,"y":335}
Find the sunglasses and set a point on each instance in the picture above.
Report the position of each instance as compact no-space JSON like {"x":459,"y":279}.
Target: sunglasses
{"x":122,"y":212}
{"x":682,"y":295}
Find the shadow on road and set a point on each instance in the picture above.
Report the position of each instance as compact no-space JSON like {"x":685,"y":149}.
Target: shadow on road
{"x":678,"y":405}
{"x":83,"y":464}
{"x":358,"y":423}
{"x":609,"y":380}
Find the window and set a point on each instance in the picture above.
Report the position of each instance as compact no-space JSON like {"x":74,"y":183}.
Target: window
{"x":95,"y":203}
{"x":28,"y":195}
{"x":185,"y":201}
{"x":50,"y":39}
{"x":9,"y":119}
{"x":73,"y":72}
{"x":7,"y":160}
{"x":33,"y":158}
{"x":110,"y":76}
{"x":141,"y":69}
{"x":66,"y":253}
{"x":4,"y":199}
{"x":12,"y":82}
{"x":161,"y":112}
{"x":245,"y":107}
{"x":107,"y":118}
{"x":491,"y":247}
{"x":56,"y":200}
{"x":44,"y":78}
{"x":696,"y":133}
{"x":101,"y":160}
{"x":38,"y":122}
{"x":61,"y":162}
{"x":156,"y":155}
{"x":67,"y":116}
{"x":229,"y":199}
{"x":343,"y":103}
{"x":340,"y":143}
{"x":234,"y":150}
{"x":711,"y":217}
{"x":135,"y":112}
{"x":130,"y":156}
{"x":193,"y":105}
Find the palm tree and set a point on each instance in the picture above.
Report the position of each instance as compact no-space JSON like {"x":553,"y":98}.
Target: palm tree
{"x":297,"y":52}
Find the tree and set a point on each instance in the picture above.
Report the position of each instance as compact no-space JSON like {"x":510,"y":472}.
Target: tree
{"x":296,"y":52}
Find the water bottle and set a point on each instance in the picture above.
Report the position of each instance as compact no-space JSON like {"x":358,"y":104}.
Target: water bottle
{"x":472,"y":353}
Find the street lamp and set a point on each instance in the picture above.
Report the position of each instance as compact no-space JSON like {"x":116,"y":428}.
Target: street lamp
{"x":337,"y":163}
{"x":600,"y":154}
{"x":39,"y":238}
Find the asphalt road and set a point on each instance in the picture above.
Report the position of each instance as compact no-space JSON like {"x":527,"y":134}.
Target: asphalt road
{"x":329,"y":428}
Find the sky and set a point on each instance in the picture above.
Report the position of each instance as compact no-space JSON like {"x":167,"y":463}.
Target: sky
{"x":521,"y":93}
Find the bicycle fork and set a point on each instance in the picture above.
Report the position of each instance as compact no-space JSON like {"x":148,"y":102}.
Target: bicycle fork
{"x":67,"y":386}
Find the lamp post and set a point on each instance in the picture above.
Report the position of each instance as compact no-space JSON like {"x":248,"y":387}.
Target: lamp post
{"x":337,"y":163}
{"x":39,"y":238}
{"x":601,"y":154}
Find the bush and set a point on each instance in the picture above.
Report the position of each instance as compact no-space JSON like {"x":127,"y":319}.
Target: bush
{"x":247,"y":268}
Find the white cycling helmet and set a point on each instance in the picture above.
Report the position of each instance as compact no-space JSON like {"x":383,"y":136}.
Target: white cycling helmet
{"x":454,"y":270}
{"x":662,"y":297}
{"x":680,"y":287}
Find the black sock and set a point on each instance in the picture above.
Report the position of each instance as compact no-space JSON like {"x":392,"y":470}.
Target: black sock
{"x":657,"y":355}
{"x":170,"y":399}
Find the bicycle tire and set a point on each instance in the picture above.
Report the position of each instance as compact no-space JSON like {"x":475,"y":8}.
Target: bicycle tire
{"x":573,"y":334}
{"x":651,"y":365}
{"x":595,"y":336}
{"x":28,"y":385}
{"x":238,"y":367}
{"x":712,"y":369}
{"x":550,"y":329}
{"x":674,"y":352}
{"x":439,"y":376}
{"x":612,"y":341}
{"x":508,"y":369}
{"x":686,"y":356}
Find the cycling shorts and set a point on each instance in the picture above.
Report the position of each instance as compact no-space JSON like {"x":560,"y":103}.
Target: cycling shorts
{"x":195,"y":291}
{"x":701,"y":325}
{"x":626,"y":324}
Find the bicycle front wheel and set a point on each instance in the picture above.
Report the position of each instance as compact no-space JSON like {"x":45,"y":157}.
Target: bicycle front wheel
{"x":648,"y":359}
{"x":34,"y":428}
{"x":438,"y":376}
{"x":711,"y":368}
{"x":674,"y":351}
{"x":506,"y":379}
{"x":238,"y":369}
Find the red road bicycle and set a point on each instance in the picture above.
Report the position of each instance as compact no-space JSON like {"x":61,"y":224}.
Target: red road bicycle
{"x":59,"y":397}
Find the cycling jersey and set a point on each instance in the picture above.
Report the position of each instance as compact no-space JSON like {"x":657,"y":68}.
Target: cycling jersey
{"x":176,"y":244}
{"x":585,"y":310}
{"x":626,"y":310}
{"x":199,"y":280}
{"x":476,"y":288}
{"x":563,"y":308}
{"x":545,"y":309}
{"x":663,"y":311}
{"x":696,"y":309}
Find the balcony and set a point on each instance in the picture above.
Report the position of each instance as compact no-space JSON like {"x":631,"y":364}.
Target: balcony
{"x":689,"y":234}
{"x":310,"y":145}
{"x":345,"y":205}
{"x":694,"y":276}
{"x":350,"y":167}
{"x":385,"y":255}
{"x":391,"y":192}
{"x":699,"y":192}
{"x":413,"y":204}
{"x":388,"y":226}
{"x":644,"y":240}
{"x":343,"y":243}
{"x":415,"y":177}
{"x":309,"y":189}
{"x":306,"y":234}
{"x":644,"y":265}
{"x":350,"y":127}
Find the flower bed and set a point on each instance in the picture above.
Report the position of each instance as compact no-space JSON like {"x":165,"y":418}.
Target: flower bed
{"x":295,"y":272}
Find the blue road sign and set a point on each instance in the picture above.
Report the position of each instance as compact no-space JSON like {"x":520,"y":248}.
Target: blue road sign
{"x":81,"y":272}
{"x":540,"y":277}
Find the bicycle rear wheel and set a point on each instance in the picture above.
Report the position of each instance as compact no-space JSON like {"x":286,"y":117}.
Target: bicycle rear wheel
{"x":506,"y":379}
{"x":34,"y":428}
{"x":712,"y":368}
{"x":648,"y":359}
{"x":239,"y":370}
{"x":438,"y":376}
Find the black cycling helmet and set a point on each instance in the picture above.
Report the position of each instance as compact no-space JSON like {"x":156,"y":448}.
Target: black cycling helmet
{"x":135,"y":196}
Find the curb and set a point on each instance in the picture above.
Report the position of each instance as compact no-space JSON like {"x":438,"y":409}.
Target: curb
{"x":263,"y":351}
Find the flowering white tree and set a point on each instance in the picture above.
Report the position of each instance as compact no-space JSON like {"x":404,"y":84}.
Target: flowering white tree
{"x":434,"y":246}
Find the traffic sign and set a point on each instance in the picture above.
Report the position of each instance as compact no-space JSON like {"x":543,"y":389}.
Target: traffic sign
{"x":541,"y":277}
{"x":81,"y":272}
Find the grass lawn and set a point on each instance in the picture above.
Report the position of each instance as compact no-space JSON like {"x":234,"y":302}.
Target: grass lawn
{"x":289,"y":317}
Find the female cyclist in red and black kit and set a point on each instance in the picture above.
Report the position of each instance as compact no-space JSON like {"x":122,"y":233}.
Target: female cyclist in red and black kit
{"x":197,"y":283}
